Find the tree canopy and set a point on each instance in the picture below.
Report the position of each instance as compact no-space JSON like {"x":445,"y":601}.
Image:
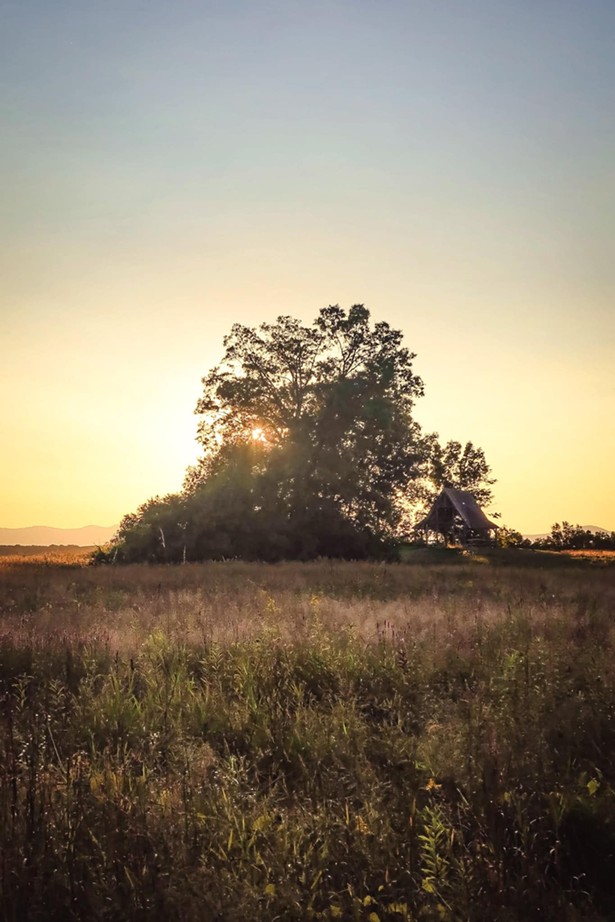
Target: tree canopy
{"x":462,"y":467}
{"x":309,"y":446}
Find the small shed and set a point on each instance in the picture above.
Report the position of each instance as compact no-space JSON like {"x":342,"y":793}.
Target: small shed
{"x":456,"y":516}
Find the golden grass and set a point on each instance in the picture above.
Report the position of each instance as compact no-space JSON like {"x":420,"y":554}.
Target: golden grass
{"x":593,"y":554}
{"x":235,"y":601}
{"x":36,"y":556}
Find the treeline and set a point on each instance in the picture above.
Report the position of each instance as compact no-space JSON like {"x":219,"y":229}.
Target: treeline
{"x":564,"y":537}
{"x":567,"y":537}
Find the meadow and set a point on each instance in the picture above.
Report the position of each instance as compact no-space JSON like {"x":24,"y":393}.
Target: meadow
{"x":429,"y":740}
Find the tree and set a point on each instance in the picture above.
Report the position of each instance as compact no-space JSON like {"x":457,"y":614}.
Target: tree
{"x":510,"y":537}
{"x":156,"y":532}
{"x":462,"y":467}
{"x":328,"y":410}
{"x":309,"y":448}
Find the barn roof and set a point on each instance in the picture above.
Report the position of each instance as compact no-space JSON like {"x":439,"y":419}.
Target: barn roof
{"x":464,"y":504}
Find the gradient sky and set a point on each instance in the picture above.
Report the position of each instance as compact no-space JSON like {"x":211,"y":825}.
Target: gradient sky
{"x":169,"y":168}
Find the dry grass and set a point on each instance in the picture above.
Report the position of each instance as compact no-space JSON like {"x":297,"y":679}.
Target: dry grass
{"x":15,"y":555}
{"x":235,"y":601}
{"x":607,"y":556}
{"x":430,"y":740}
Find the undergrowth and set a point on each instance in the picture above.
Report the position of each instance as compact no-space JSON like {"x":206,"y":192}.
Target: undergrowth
{"x":351,"y":742}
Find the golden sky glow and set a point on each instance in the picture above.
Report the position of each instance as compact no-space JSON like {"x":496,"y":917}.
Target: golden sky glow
{"x":171,"y":169}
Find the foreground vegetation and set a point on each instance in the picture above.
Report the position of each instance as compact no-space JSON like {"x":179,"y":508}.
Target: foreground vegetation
{"x":424,"y":741}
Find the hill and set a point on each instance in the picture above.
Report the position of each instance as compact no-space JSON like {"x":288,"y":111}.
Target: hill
{"x":44,"y":535}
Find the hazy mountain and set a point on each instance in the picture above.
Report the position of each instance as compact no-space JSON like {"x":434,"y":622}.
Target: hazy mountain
{"x":44,"y":535}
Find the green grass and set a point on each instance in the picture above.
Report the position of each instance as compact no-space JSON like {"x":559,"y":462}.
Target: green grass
{"x":424,"y":741}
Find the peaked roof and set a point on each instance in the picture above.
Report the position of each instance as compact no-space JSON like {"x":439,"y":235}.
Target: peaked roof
{"x":464,"y":504}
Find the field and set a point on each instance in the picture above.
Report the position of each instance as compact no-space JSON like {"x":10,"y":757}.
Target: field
{"x":33,"y":553}
{"x":431,"y":740}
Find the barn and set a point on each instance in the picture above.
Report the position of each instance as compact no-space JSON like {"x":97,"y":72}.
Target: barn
{"x":456,"y":516}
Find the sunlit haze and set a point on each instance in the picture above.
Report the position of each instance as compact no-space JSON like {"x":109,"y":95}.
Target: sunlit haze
{"x":172,"y":168}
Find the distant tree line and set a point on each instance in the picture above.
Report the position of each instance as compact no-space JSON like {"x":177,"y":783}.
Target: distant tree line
{"x":567,"y":537}
{"x":564,"y":537}
{"x":310,"y":448}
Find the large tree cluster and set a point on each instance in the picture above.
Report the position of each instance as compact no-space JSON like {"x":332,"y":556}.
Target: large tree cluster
{"x":310,"y":448}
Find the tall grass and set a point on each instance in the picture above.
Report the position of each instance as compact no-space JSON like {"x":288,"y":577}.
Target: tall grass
{"x":319,"y":741}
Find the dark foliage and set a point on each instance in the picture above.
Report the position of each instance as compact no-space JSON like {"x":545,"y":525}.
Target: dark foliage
{"x":567,"y":537}
{"x":309,"y":449}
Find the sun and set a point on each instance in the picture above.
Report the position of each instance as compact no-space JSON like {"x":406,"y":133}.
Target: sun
{"x":258,"y":434}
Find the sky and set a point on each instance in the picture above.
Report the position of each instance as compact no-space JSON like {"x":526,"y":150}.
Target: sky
{"x":171,"y":167}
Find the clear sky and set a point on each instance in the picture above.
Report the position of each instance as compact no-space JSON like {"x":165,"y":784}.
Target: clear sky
{"x":170,"y":167}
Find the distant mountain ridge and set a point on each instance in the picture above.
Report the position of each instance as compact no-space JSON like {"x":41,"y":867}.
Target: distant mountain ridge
{"x":45,"y":535}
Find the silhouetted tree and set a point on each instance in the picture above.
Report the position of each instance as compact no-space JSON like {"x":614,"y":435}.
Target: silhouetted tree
{"x":155,"y":532}
{"x":567,"y":537}
{"x":509,"y":537}
{"x":463,"y":467}
{"x":309,"y":448}
{"x":328,"y":410}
